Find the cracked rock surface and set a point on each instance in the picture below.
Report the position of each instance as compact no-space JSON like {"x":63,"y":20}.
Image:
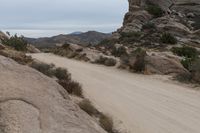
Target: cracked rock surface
{"x":30,"y":102}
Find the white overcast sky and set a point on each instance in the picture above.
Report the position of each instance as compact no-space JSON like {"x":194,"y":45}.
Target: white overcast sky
{"x":36,"y":18}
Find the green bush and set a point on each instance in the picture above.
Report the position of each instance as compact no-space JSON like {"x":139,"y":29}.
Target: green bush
{"x":130,"y":37}
{"x":168,"y":38}
{"x":155,"y":10}
{"x":189,"y":53}
{"x":88,"y":107}
{"x":139,"y":64}
{"x":185,"y":51}
{"x":106,"y":123}
{"x":18,"y":43}
{"x":131,"y":34}
{"x":186,"y":63}
{"x":118,"y":52}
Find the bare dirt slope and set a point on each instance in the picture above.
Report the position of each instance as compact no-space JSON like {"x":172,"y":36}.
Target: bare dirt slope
{"x":143,"y":103}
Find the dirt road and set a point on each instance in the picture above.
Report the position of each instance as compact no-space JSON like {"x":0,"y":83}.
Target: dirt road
{"x":144,"y":104}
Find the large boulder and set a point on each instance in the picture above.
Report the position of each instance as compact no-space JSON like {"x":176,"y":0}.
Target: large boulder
{"x":158,"y":64}
{"x":30,"y":102}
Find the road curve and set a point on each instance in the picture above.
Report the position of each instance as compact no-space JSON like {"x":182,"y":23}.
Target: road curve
{"x":144,"y":104}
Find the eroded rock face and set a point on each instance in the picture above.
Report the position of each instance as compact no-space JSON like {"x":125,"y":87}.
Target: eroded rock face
{"x":137,"y":15}
{"x":33,"y":103}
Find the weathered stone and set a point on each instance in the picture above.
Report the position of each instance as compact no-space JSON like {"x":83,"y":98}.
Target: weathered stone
{"x":156,"y":64}
{"x":30,"y":102}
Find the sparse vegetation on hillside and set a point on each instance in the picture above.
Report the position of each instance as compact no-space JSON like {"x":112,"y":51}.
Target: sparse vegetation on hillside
{"x":18,"y":43}
{"x":87,"y":106}
{"x":72,"y":87}
{"x":185,"y":51}
{"x":47,"y":69}
{"x":148,"y":25}
{"x":168,"y":38}
{"x":118,"y":52}
{"x":155,"y":10}
{"x":189,"y":53}
{"x":191,"y":62}
{"x":63,"y":76}
{"x":106,"y":61}
{"x":130,"y":34}
{"x":130,"y":37}
{"x":105,"y":121}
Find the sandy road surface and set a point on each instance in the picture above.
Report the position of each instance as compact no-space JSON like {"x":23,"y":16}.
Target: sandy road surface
{"x":144,"y":104}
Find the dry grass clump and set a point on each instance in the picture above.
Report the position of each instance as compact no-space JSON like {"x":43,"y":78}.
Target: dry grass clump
{"x":106,"y":61}
{"x":106,"y":123}
{"x":63,"y":76}
{"x":72,"y":87}
{"x":88,"y":107}
{"x":46,"y":69}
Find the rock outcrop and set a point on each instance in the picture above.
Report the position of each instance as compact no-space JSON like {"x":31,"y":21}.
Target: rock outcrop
{"x":2,"y":35}
{"x":30,"y":102}
{"x":137,"y":15}
{"x":162,"y":64}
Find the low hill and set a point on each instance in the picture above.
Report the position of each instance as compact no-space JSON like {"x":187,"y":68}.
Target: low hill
{"x":84,"y":39}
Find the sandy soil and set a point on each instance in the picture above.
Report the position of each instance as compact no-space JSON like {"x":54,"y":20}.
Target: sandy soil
{"x":143,"y":103}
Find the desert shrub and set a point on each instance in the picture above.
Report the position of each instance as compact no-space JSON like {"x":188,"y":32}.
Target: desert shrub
{"x":106,"y":123}
{"x":149,"y":25}
{"x":189,"y":53}
{"x":130,"y":34}
{"x":100,"y":60}
{"x":65,"y":45}
{"x":72,"y":87}
{"x":186,"y":63}
{"x":155,"y":10}
{"x":184,"y":77}
{"x":118,"y":52}
{"x":62,"y":74}
{"x":87,"y":106}
{"x":185,"y":51}
{"x":195,"y":70}
{"x":18,"y":43}
{"x":110,"y":62}
{"x":168,"y":38}
{"x":46,"y":69}
{"x":108,"y":43}
{"x":139,"y":64}
{"x":130,"y":37}
{"x":106,"y":61}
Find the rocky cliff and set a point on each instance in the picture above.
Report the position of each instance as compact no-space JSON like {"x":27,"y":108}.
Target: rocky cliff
{"x":184,"y":10}
{"x":33,"y":103}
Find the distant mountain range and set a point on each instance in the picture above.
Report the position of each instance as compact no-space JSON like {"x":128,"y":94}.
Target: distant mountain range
{"x":80,"y":38}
